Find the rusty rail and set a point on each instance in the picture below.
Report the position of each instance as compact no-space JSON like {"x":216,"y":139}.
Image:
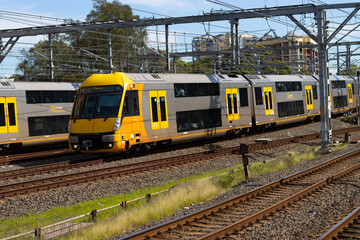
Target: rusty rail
{"x":218,"y":208}
{"x":344,"y":229}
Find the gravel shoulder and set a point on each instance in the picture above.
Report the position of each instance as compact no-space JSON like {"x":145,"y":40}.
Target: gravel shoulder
{"x":42,"y":201}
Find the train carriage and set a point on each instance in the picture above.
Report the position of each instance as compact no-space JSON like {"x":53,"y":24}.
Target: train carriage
{"x":285,"y":98}
{"x":118,"y":112}
{"x":342,"y":94}
{"x":34,"y":113}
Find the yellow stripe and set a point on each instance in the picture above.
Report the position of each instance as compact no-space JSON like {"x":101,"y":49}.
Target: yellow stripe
{"x":34,"y":140}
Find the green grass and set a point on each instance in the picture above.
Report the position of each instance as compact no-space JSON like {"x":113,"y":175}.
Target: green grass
{"x":29,"y":222}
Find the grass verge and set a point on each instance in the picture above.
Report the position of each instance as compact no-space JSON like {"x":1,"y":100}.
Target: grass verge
{"x":124,"y":218}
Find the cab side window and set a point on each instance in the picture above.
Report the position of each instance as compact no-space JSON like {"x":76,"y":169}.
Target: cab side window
{"x":131,"y":104}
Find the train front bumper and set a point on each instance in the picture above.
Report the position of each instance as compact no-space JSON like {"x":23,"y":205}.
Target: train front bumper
{"x":97,"y":142}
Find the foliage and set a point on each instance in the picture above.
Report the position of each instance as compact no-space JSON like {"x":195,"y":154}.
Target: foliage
{"x":79,"y":54}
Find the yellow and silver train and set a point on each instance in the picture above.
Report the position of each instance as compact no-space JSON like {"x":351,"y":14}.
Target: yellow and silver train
{"x":34,"y":113}
{"x":122,"y":111}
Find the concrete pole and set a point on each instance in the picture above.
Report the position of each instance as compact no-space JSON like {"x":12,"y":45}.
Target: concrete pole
{"x":167,"y":48}
{"x":110,"y":57}
{"x":232,"y":42}
{"x":322,"y":81}
{"x":51,"y":59}
{"x":237,"y":41}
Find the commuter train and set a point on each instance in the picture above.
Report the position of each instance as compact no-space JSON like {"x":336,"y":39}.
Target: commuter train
{"x":122,"y":111}
{"x":34,"y":113}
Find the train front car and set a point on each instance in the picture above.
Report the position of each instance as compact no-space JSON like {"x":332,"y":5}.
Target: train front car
{"x":96,"y":116}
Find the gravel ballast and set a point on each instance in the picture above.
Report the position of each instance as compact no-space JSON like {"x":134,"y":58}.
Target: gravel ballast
{"x":35,"y":203}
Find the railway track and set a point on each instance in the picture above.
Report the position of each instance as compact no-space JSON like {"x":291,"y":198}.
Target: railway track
{"x":93,"y":160}
{"x":48,"y":183}
{"x":348,"y":228}
{"x":31,"y":156}
{"x":227,"y":220}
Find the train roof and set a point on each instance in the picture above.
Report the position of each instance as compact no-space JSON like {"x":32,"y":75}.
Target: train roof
{"x":58,"y":86}
{"x":279,"y":78}
{"x":184,"y":78}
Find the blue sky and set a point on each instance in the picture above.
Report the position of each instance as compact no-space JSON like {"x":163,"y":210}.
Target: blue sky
{"x":78,"y":9}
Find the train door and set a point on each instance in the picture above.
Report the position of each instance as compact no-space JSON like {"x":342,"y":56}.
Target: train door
{"x":268,"y":97}
{"x":350,"y":92}
{"x":158,"y":110}
{"x":232,"y":103}
{"x":8,"y":115}
{"x":309,"y":97}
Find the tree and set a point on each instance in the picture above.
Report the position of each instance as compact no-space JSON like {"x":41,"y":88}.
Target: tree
{"x":79,"y":54}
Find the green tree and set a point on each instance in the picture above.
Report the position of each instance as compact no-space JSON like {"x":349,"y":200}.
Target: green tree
{"x":79,"y":54}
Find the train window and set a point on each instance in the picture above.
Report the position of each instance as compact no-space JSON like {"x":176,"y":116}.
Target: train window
{"x":229,"y":102}
{"x":180,"y":90}
{"x":270,"y":100}
{"x":214,"y":89}
{"x":340,"y":101}
{"x":126,"y":110}
{"x":108,"y":105}
{"x":2,"y":115}
{"x":162,"y":109}
{"x":258,"y":96}
{"x":198,"y":119}
{"x":353,"y":88}
{"x":195,"y":121}
{"x":235,"y":103}
{"x":192,"y":90}
{"x":203,"y":89}
{"x":314,"y":90}
{"x":338,"y":84}
{"x":131,"y":104}
{"x":244,"y":101}
{"x":154,"y":110}
{"x":290,"y":108}
{"x":266,"y":101}
{"x":48,"y":125}
{"x":288,"y":86}
{"x":12,"y":117}
{"x":196,"y":89}
{"x":49,"y":96}
{"x":33,"y":97}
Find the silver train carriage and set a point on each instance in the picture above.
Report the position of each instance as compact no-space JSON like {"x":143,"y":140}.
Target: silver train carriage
{"x":34,"y":113}
{"x":120,"y":111}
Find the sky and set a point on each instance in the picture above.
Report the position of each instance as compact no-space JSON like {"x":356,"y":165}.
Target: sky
{"x":180,"y":35}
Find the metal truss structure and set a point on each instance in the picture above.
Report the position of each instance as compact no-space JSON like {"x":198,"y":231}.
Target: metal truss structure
{"x":321,"y":38}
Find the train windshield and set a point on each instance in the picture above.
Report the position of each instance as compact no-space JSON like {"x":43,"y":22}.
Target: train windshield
{"x":97,"y":102}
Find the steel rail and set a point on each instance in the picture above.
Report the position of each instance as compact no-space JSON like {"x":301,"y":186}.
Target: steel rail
{"x":234,"y":228}
{"x":344,"y":227}
{"x":169,"y":226}
{"x":57,"y":167}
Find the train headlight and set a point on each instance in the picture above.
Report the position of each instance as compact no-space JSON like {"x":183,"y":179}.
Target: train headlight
{"x":117,"y":124}
{"x":69,"y":126}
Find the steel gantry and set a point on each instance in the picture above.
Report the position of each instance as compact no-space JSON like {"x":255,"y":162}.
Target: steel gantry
{"x":233,"y":17}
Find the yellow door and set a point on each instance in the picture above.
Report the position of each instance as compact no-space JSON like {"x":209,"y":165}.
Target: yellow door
{"x":268,"y":97}
{"x":232,"y":99}
{"x":8,"y":115}
{"x":350,"y":94}
{"x":158,"y":110}
{"x":3,"y":125}
{"x":309,"y":97}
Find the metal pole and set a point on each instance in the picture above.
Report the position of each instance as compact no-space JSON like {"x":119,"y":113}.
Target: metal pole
{"x":348,"y":59}
{"x":167,"y":48}
{"x":326,"y":77}
{"x":338,"y":60}
{"x":51,"y":60}
{"x":237,"y":41}
{"x":232,"y":42}
{"x":322,"y":81}
{"x":111,"y":67}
